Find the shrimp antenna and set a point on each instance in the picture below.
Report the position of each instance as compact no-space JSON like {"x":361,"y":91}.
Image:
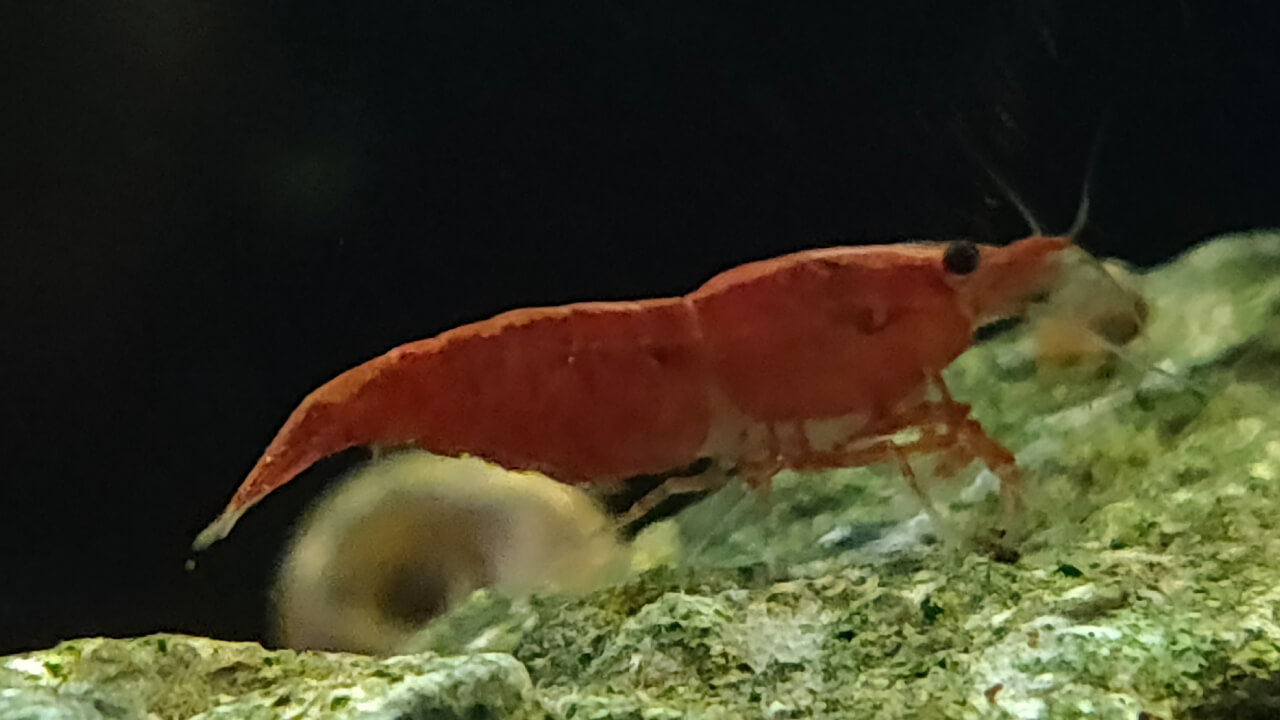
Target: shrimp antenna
{"x":1082,"y":211}
{"x":1078,"y":224}
{"x":1023,"y":210}
{"x":1027,"y":216}
{"x":1137,"y":363}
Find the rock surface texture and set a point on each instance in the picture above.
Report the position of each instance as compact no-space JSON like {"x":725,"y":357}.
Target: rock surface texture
{"x":1142,"y":582}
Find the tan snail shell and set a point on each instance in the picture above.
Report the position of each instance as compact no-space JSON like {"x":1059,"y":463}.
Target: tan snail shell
{"x":410,"y":535}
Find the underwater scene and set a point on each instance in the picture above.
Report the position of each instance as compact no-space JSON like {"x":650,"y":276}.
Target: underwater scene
{"x":489,"y":361}
{"x":1133,"y":580}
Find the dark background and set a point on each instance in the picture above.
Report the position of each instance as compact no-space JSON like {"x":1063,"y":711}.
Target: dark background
{"x":209,"y":208}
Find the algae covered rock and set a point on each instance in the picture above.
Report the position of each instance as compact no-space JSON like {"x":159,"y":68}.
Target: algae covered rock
{"x":173,"y":676}
{"x":1137,"y":582}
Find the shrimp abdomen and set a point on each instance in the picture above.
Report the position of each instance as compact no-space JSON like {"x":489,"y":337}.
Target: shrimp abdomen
{"x":583,"y":392}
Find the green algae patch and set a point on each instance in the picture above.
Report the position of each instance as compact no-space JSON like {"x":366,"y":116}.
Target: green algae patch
{"x":172,"y":676}
{"x":1138,"y":580}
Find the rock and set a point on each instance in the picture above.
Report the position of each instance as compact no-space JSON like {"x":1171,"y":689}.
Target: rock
{"x":174,"y":676}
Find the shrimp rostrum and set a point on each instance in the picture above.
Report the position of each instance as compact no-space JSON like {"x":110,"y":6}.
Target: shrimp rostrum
{"x":815,"y":359}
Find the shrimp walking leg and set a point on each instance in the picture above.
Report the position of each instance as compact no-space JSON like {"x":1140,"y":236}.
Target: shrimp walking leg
{"x":708,"y":481}
{"x":755,"y":472}
{"x":944,"y":429}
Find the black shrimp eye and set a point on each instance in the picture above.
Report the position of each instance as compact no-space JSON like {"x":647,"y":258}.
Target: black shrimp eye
{"x":960,"y":258}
